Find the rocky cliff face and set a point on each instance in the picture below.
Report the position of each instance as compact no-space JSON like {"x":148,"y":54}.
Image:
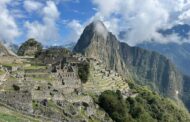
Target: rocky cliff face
{"x":172,"y":51}
{"x":97,"y":42}
{"x":150,"y":68}
{"x":147,"y":68}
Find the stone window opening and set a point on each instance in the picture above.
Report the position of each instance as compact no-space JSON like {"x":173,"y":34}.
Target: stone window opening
{"x":63,"y":83}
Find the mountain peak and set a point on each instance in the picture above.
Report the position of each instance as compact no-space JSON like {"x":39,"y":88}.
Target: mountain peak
{"x":95,"y":32}
{"x":129,"y":61}
{"x":99,"y":28}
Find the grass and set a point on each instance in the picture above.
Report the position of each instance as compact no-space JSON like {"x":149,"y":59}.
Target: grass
{"x":9,"y":118}
{"x":33,"y":67}
{"x":11,"y":79}
{"x":42,"y":78}
{"x":7,"y":115}
{"x":2,"y":72}
{"x":11,"y":65}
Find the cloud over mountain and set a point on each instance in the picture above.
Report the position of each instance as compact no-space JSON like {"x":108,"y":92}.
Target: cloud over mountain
{"x":142,"y":19}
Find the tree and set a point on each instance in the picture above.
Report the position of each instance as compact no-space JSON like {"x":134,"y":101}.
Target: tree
{"x":114,"y":105}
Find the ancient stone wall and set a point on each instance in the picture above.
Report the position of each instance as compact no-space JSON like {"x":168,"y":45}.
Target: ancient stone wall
{"x":19,"y":100}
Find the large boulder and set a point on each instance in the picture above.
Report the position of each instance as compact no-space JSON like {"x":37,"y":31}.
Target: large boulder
{"x":30,"y":48}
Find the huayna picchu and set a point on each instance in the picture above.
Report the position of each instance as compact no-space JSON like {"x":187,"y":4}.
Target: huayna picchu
{"x":101,"y":80}
{"x":143,"y":66}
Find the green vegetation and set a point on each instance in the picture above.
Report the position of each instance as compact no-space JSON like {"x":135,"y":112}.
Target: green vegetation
{"x":34,"y":104}
{"x":16,"y":88}
{"x":114,"y":105}
{"x":35,"y":67}
{"x":11,"y":65}
{"x":147,"y":106}
{"x":32,"y":44}
{"x":11,"y":79}
{"x":2,"y":72}
{"x":7,"y":115}
{"x":42,"y":78}
{"x":84,"y":71}
{"x":186,"y":91}
{"x":9,"y":118}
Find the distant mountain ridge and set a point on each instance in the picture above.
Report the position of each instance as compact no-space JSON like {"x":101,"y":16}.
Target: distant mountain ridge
{"x":177,"y":53}
{"x":69,"y":46}
{"x":146,"y":67}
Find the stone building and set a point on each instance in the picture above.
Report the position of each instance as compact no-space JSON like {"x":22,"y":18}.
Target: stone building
{"x":67,"y":73}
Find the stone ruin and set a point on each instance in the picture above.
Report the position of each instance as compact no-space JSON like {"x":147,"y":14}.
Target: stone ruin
{"x":65,"y":81}
{"x":66,"y":71}
{"x":21,"y":101}
{"x":30,"y":50}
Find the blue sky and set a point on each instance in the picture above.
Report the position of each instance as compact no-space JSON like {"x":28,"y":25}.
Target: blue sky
{"x":57,"y":22}
{"x":27,"y":13}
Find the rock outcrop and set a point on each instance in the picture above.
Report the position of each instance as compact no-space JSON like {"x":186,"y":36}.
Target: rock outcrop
{"x":30,"y":48}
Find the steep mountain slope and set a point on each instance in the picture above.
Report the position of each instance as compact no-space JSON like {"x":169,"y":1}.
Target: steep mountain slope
{"x":147,"y":68}
{"x":145,"y":107}
{"x":97,"y":42}
{"x":4,"y":51}
{"x":177,"y":53}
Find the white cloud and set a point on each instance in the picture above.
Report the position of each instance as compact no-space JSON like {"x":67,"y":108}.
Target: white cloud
{"x":31,"y":5}
{"x":112,"y":23}
{"x":9,"y":30}
{"x":185,"y":16}
{"x":76,"y":30}
{"x":141,"y":19}
{"x":64,"y":1}
{"x":47,"y":29}
{"x":106,"y":7}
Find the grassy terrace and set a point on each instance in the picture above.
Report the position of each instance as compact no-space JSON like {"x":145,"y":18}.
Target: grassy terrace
{"x":99,"y":82}
{"x":7,"y":115}
{"x":34,"y":67}
{"x":11,"y":65}
{"x":2,"y":72}
{"x":10,"y":118}
{"x":43,"y":78}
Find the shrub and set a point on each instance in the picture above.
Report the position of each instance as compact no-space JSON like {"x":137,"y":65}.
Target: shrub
{"x":16,"y":88}
{"x":112,"y":103}
{"x":147,"y":106}
{"x":84,"y":71}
